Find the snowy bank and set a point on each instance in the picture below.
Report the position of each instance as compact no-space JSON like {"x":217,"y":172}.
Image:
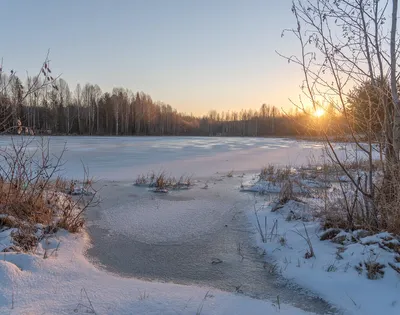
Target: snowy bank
{"x":339,"y":272}
{"x":67,"y":283}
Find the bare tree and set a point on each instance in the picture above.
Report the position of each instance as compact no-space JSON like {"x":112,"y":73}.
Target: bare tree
{"x":13,"y":94}
{"x":345,"y":44}
{"x":78,"y":100}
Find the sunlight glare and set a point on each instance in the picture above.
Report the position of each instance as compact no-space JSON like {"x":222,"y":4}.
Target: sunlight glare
{"x":319,"y":112}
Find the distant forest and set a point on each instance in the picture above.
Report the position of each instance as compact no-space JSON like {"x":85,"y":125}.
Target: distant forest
{"x":86,"y":110}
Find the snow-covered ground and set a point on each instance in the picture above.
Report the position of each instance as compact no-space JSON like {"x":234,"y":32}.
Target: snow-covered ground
{"x":67,"y":282}
{"x":338,"y":271}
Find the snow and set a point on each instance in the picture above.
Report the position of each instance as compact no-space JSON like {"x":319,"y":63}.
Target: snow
{"x":333,"y":277}
{"x":67,"y":283}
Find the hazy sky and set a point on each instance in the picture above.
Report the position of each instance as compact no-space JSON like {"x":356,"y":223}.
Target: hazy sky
{"x":195,"y":55}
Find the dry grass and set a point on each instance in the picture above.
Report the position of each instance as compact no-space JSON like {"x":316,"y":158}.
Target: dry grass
{"x":30,"y":195}
{"x":345,"y":207}
{"x":47,"y":207}
{"x":286,"y":192}
{"x":27,"y":205}
{"x":374,"y":270}
{"x":275,"y":175}
{"x":8,"y":221}
{"x":267,"y":172}
{"x":25,"y":238}
{"x":161,"y":181}
{"x":310,"y":252}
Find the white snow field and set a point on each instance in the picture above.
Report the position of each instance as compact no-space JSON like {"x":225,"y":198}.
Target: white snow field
{"x":172,"y":238}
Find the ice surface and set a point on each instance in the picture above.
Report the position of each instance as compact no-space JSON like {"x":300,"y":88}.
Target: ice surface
{"x":54,"y":285}
{"x":123,"y":158}
{"x":66,"y":283}
{"x":170,"y":221}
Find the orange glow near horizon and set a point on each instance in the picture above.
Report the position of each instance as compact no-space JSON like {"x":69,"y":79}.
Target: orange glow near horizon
{"x":319,"y":112}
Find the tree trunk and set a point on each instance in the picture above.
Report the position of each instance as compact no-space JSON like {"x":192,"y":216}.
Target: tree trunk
{"x":393,"y":83}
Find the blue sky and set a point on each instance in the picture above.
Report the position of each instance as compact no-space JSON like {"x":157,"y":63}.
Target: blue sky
{"x":196,"y":55}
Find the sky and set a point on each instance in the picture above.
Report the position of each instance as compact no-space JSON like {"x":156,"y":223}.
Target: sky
{"x":196,"y":55}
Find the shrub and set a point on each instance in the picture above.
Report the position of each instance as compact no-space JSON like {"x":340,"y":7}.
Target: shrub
{"x":31,"y":194}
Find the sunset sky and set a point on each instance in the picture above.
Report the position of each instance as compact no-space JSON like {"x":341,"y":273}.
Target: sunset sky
{"x":196,"y":55}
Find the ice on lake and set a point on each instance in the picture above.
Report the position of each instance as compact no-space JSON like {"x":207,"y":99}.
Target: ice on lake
{"x":123,"y":158}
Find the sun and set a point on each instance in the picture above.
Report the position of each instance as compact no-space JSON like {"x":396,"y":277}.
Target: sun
{"x":319,"y":112}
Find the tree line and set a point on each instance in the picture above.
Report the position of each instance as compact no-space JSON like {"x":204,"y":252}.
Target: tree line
{"x":57,"y":109}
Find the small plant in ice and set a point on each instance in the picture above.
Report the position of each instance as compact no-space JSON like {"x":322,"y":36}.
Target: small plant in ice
{"x":331,"y":268}
{"x":152,"y":178}
{"x":339,"y":252}
{"x":374,"y":270}
{"x":282,"y":174}
{"x":310,"y":252}
{"x":329,"y":234}
{"x":394,"y":267}
{"x":346,"y":267}
{"x":283,"y":241}
{"x":53,"y":252}
{"x":274,"y":229}
{"x":287,"y":192}
{"x":277,"y":304}
{"x":267,"y":173}
{"x":25,"y":238}
{"x":230,"y":174}
{"x":200,"y":308}
{"x":216,"y":261}
{"x":287,"y":262}
{"x":85,"y":304}
{"x":359,"y":268}
{"x":373,"y":267}
{"x":239,"y":250}
{"x":238,"y":289}
{"x":143,"y":295}
{"x":260,"y":230}
{"x":184,"y":182}
{"x":141,"y":180}
{"x":272,"y":268}
{"x":162,"y":183}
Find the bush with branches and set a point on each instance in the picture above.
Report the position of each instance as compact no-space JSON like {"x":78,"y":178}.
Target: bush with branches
{"x":348,"y":54}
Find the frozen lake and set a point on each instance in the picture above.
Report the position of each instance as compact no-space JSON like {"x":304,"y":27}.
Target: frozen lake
{"x":176,"y":237}
{"x":123,"y":158}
